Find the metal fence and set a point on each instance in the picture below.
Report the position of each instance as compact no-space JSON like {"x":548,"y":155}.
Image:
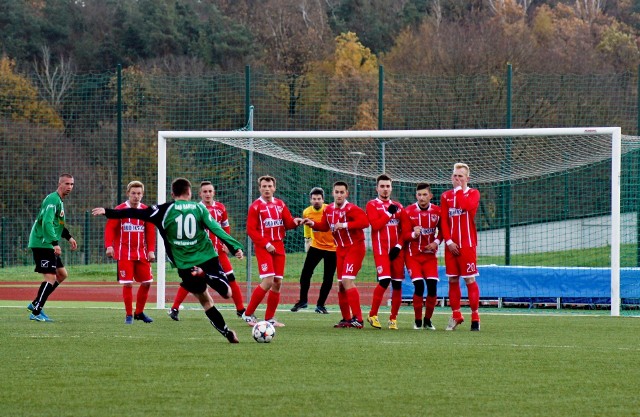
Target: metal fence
{"x":103,"y":130}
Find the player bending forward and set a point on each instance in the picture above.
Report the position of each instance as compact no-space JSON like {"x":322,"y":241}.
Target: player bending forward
{"x":183,"y":225}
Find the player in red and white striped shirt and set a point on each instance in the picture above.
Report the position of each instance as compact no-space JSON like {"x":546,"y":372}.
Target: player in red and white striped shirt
{"x":459,"y":205}
{"x":346,"y":222}
{"x":384,"y":215}
{"x":267,"y":220}
{"x":132,"y":243}
{"x":219,"y":213}
{"x":422,"y":234}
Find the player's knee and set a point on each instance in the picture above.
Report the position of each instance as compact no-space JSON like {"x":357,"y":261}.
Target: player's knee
{"x":61,"y":274}
{"x":277,"y":283}
{"x":419,"y":287}
{"x":432,"y":287}
{"x":384,"y":283}
{"x":396,"y":285}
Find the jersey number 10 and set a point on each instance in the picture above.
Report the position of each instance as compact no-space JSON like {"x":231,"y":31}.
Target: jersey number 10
{"x":186,"y":226}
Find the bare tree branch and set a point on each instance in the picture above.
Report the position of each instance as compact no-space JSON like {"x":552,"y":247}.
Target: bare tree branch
{"x":55,"y":81}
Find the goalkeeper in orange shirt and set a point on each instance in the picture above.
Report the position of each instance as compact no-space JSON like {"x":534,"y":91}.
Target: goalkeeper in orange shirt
{"x":319,"y":246}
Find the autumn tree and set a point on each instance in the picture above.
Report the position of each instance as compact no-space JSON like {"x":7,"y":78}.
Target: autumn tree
{"x":351,"y":74}
{"x":19,"y":98}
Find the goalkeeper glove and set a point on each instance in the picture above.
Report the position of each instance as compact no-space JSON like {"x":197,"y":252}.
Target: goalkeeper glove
{"x":307,"y":244}
{"x":392,"y":208}
{"x":394,"y":252}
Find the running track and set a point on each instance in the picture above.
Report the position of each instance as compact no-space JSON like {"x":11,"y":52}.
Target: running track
{"x":112,"y":292}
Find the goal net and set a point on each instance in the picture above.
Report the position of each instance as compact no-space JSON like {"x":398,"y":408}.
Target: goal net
{"x":558,"y":216}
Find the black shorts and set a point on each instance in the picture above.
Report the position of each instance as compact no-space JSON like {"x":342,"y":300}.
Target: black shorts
{"x":46,"y":260}
{"x":214,"y":277}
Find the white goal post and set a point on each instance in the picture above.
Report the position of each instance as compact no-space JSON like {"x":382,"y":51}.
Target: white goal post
{"x":480,"y":144}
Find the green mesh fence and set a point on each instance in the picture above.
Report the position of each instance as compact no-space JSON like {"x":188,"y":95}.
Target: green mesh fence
{"x":80,"y":134}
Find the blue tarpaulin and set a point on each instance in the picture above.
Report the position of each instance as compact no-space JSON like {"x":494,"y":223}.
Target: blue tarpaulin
{"x":543,"y":282}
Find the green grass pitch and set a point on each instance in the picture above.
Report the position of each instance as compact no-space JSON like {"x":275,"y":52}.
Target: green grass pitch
{"x":88,"y":363}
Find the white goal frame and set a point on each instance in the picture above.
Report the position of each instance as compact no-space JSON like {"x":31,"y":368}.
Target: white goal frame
{"x":616,"y":158}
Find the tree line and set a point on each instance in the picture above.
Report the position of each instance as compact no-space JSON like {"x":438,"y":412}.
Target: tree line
{"x":292,"y":36}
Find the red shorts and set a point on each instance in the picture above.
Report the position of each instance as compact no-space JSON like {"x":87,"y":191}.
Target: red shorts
{"x":386,"y":268}
{"x":271,"y":263}
{"x":138,"y":271}
{"x":225,"y":263}
{"x":349,"y":260}
{"x":464,"y":265}
{"x":422,"y":265}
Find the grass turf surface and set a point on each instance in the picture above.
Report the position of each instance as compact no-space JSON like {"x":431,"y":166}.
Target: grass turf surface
{"x":89,"y":363}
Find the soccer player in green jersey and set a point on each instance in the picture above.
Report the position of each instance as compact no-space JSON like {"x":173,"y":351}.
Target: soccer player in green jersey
{"x":183,"y":225}
{"x":44,"y":242}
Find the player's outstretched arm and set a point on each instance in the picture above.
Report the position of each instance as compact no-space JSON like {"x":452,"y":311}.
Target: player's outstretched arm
{"x":217,"y":230}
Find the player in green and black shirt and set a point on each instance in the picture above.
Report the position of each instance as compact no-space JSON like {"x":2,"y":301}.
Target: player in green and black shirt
{"x":44,"y":242}
{"x":183,"y":225}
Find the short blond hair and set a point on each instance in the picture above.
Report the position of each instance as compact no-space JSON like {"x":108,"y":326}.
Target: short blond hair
{"x":461,"y":165}
{"x":135,"y":184}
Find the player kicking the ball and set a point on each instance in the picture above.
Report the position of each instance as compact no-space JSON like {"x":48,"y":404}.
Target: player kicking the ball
{"x":183,"y":225}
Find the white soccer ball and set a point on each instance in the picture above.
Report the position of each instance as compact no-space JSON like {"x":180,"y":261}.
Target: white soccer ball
{"x":263,"y":332}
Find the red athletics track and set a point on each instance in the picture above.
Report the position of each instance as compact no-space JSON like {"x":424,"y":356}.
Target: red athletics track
{"x":112,"y":292}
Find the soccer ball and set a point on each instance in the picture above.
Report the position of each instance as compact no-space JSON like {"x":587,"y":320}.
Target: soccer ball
{"x":263,"y":332}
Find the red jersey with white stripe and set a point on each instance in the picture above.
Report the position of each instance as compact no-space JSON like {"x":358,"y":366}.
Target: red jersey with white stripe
{"x":349,"y":213}
{"x":460,"y":207}
{"x":385,"y":227}
{"x":132,"y":239}
{"x":219,"y":213}
{"x":428,"y":220}
{"x":268,"y":220}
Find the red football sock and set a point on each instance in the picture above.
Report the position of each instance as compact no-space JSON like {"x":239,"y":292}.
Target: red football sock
{"x":180,"y":297}
{"x":454,"y":298}
{"x":236,"y":294}
{"x":378,"y":293}
{"x":256,"y":298}
{"x":273,"y":299}
{"x":396,"y":300}
{"x":344,"y":305}
{"x":474,"y":300}
{"x":141,"y":298}
{"x":431,"y":305}
{"x":417,"y":307}
{"x":127,"y":296}
{"x":354,"y":302}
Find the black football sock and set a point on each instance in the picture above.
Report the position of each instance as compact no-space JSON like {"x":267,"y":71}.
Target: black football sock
{"x":41,"y":297}
{"x":39,"y":293}
{"x":217,"y":320}
{"x":50,"y":289}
